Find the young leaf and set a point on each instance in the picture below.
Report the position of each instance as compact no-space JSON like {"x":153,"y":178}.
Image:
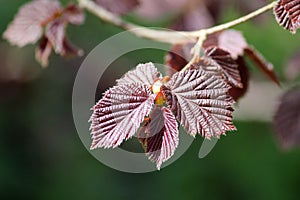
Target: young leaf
{"x":178,"y":57}
{"x":27,"y":26}
{"x":229,"y":40}
{"x":119,"y":8}
{"x":118,"y":115}
{"x":287,"y":13}
{"x":144,"y":74}
{"x":262,"y":64}
{"x":159,"y":136}
{"x":287,"y":119}
{"x":200,"y":102}
{"x":43,"y":51}
{"x":223,"y":62}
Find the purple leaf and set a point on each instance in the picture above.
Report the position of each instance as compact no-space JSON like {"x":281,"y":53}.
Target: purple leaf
{"x":26,"y":27}
{"x":200,"y":102}
{"x":43,"y":51}
{"x":118,"y":7}
{"x":229,"y":40}
{"x":221,"y":60}
{"x":118,"y":115}
{"x":235,"y":92}
{"x":287,"y":119}
{"x":178,"y":57}
{"x":159,"y":136}
{"x":144,"y":74}
{"x":287,"y":13}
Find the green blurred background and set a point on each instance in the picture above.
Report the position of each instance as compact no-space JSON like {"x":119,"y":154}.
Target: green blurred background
{"x":42,"y":156}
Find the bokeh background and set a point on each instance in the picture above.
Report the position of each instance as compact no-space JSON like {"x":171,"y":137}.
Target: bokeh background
{"x":42,"y":156}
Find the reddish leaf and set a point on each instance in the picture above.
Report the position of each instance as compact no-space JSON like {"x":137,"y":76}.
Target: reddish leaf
{"x":178,"y":57}
{"x":118,"y":115}
{"x":235,"y":92}
{"x":70,"y":50}
{"x":230,"y":40}
{"x":217,"y":59}
{"x":200,"y":102}
{"x":262,"y":64}
{"x":159,"y":136}
{"x":287,"y":119}
{"x":55,"y":32}
{"x":287,"y":14}
{"x":120,"y":7}
{"x":144,"y":74}
{"x":27,"y":25}
{"x":43,"y":51}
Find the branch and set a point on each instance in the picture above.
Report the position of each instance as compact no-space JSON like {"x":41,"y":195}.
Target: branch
{"x":171,"y":37}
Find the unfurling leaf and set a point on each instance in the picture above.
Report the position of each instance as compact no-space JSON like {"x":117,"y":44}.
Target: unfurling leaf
{"x":229,"y":40}
{"x":287,"y":14}
{"x":266,"y":67}
{"x":37,"y":15}
{"x":143,"y":74}
{"x":287,"y":119}
{"x":200,"y":102}
{"x":118,"y":115}
{"x":43,"y":51}
{"x":159,"y":136}
{"x":221,"y":61}
{"x":120,"y":7}
{"x":27,"y":26}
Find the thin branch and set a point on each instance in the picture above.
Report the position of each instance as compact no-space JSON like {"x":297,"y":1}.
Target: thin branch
{"x":241,"y":19}
{"x":171,"y":37}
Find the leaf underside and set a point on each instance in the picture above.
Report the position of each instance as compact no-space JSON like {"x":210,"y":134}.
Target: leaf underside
{"x":200,"y":102}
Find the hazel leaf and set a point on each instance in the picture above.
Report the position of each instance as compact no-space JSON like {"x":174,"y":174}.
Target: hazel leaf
{"x":200,"y":102}
{"x":159,"y":136}
{"x":287,"y":13}
{"x":118,"y":115}
{"x":27,"y":26}
{"x":144,"y":74}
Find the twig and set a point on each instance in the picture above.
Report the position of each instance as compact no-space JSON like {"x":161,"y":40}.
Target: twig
{"x":169,"y":36}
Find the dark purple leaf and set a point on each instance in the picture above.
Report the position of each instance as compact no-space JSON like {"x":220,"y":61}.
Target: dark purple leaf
{"x":262,"y":64}
{"x":118,"y":115}
{"x":287,"y":14}
{"x":159,"y":136}
{"x":287,"y":119}
{"x":144,"y":74}
{"x":118,"y":7}
{"x":235,"y":92}
{"x":27,"y":26}
{"x":178,"y":57}
{"x":43,"y":51}
{"x":200,"y":102}
{"x":219,"y":60}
